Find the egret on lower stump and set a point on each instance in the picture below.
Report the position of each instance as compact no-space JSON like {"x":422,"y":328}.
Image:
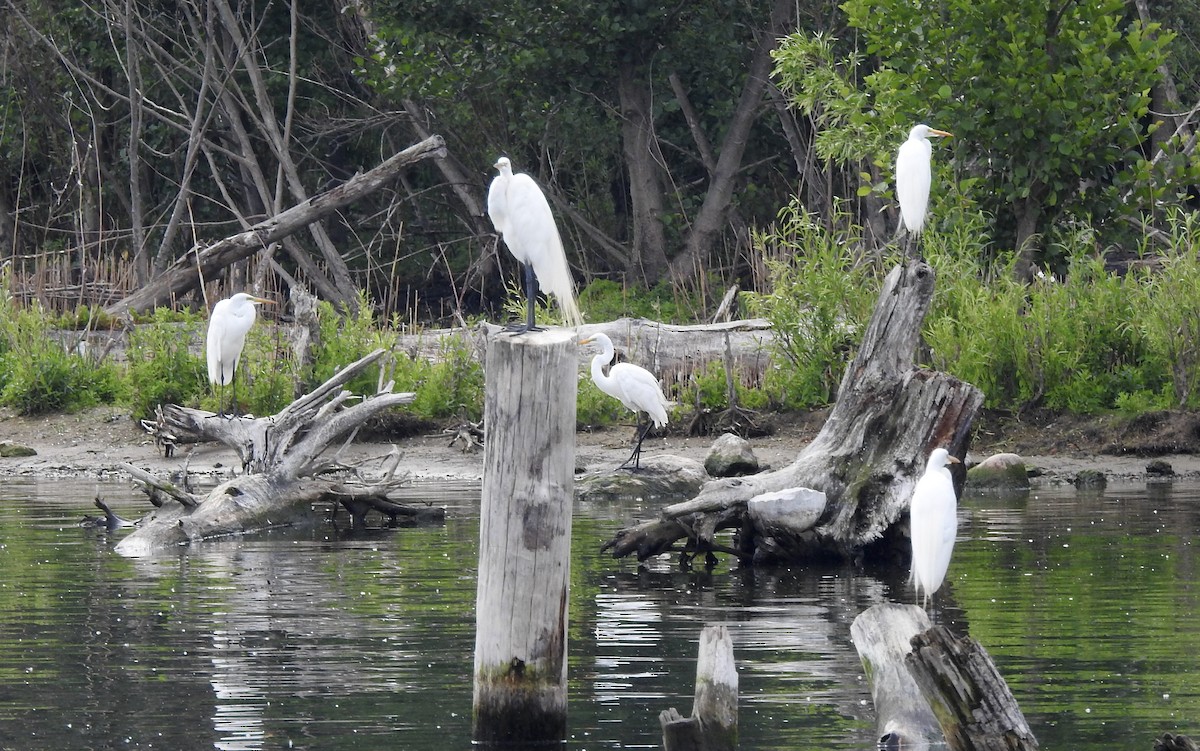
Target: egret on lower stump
{"x":633,"y":386}
{"x":933,"y":524}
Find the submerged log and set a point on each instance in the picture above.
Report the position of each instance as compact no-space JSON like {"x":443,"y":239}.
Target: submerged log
{"x":866,"y":459}
{"x":968,"y":695}
{"x":713,"y":724}
{"x":285,"y":468}
{"x":882,"y":634}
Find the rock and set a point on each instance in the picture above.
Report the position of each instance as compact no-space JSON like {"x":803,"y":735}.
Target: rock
{"x":731,"y":456}
{"x":13,"y":450}
{"x":1159,"y":468}
{"x":660,"y":476}
{"x":790,"y":511}
{"x":1093,"y":479}
{"x":999,"y":472}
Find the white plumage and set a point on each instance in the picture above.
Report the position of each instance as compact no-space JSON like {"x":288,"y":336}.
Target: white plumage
{"x":933,"y":523}
{"x":231,"y":319}
{"x":633,"y":386}
{"x":522,"y":216}
{"x":913,"y":176}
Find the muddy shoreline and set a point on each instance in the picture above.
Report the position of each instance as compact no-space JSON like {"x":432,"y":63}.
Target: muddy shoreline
{"x":93,"y":443}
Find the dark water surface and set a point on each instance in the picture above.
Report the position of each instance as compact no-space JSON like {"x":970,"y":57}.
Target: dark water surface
{"x":309,"y":640}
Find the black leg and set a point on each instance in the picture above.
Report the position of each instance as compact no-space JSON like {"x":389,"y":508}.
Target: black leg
{"x":530,"y":297}
{"x":636,"y":456}
{"x":233,"y":407}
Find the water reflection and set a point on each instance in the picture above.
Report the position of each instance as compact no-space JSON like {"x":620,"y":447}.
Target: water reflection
{"x":312,"y":639}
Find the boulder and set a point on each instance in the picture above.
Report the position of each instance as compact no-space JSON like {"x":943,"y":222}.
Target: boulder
{"x":731,"y":456}
{"x":1090,"y":479}
{"x":999,"y":472}
{"x":14,"y":450}
{"x":1160,"y":468}
{"x":791,"y":511}
{"x":661,"y":476}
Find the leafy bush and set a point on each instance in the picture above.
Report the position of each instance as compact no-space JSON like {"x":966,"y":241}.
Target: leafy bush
{"x":820,"y":297}
{"x":162,"y":367}
{"x":344,"y":339}
{"x":450,"y":386}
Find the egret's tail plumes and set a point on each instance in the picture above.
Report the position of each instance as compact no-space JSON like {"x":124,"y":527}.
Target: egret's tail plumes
{"x":554,"y":277}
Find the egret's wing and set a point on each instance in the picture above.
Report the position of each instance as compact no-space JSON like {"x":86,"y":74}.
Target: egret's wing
{"x":641,"y":391}
{"x":912,"y":182}
{"x":217,"y":324}
{"x":533,"y":238}
{"x":497,"y":204}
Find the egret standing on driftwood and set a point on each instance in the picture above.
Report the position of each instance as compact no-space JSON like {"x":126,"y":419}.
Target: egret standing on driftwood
{"x":227,"y":326}
{"x":913,"y":177}
{"x":933,"y":524}
{"x":522,"y":216}
{"x":635,"y":387}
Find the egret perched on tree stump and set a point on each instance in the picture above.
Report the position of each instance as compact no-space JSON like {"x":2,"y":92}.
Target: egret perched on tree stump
{"x":933,"y":524}
{"x":913,"y":176}
{"x":227,"y":327}
{"x":635,"y":387}
{"x":522,"y":216}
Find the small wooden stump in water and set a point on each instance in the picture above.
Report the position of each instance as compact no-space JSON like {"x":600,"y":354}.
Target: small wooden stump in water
{"x":525,"y":539}
{"x":968,"y":695}
{"x":713,"y":725}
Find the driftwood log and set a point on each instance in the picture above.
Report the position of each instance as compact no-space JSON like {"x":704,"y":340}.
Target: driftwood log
{"x":968,"y":695}
{"x":883,"y":634}
{"x":204,"y":261}
{"x":285,"y":468}
{"x":866,"y":459}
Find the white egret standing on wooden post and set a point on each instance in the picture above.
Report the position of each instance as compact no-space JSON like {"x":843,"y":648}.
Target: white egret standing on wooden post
{"x":227,"y":326}
{"x":933,"y":524}
{"x":913,"y":177}
{"x":522,"y":216}
{"x":633,"y":386}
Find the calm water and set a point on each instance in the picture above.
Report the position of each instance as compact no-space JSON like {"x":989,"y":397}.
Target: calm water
{"x":311,"y":640}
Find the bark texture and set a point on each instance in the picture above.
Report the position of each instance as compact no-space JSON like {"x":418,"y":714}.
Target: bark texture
{"x":868,"y":456}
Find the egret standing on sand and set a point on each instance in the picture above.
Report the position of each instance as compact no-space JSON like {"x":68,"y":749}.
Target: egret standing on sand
{"x":227,"y":327}
{"x":933,"y":524}
{"x":521,"y":215}
{"x":913,"y":176}
{"x":635,"y":387}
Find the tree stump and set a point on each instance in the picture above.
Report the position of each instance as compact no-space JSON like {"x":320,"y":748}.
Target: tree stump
{"x":866,"y":459}
{"x":968,"y":695}
{"x":713,"y":724}
{"x":284,"y":463}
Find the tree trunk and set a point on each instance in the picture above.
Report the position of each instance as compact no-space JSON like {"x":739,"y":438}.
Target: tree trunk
{"x":708,"y":222}
{"x":866,"y":459}
{"x":201,"y":263}
{"x":649,"y":257}
{"x":284,"y":468}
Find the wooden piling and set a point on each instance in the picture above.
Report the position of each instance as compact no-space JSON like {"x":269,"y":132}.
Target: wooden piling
{"x":520,"y":692}
{"x":713,"y":725}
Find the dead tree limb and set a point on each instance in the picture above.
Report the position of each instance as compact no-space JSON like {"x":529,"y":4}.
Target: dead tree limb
{"x":868,"y":456}
{"x":285,"y":468}
{"x":181,"y":276}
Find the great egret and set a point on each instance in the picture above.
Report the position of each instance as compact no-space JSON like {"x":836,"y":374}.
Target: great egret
{"x":913,"y":176}
{"x":933,"y":524}
{"x":227,"y":326}
{"x":635,"y":387}
{"x":521,"y":215}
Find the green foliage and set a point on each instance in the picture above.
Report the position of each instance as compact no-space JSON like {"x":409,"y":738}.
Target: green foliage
{"x":346,"y":338}
{"x":1040,"y":98}
{"x":708,"y":388}
{"x":1165,"y":306}
{"x":40,"y":373}
{"x":821,"y":295}
{"x":607,"y":300}
{"x":452,"y":384}
{"x":162,"y":368}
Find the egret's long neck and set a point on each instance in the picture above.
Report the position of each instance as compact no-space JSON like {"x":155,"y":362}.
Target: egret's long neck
{"x":598,"y":363}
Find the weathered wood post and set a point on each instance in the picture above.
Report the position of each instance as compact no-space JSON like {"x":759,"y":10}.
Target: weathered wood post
{"x":525,"y":539}
{"x":713,"y":725}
